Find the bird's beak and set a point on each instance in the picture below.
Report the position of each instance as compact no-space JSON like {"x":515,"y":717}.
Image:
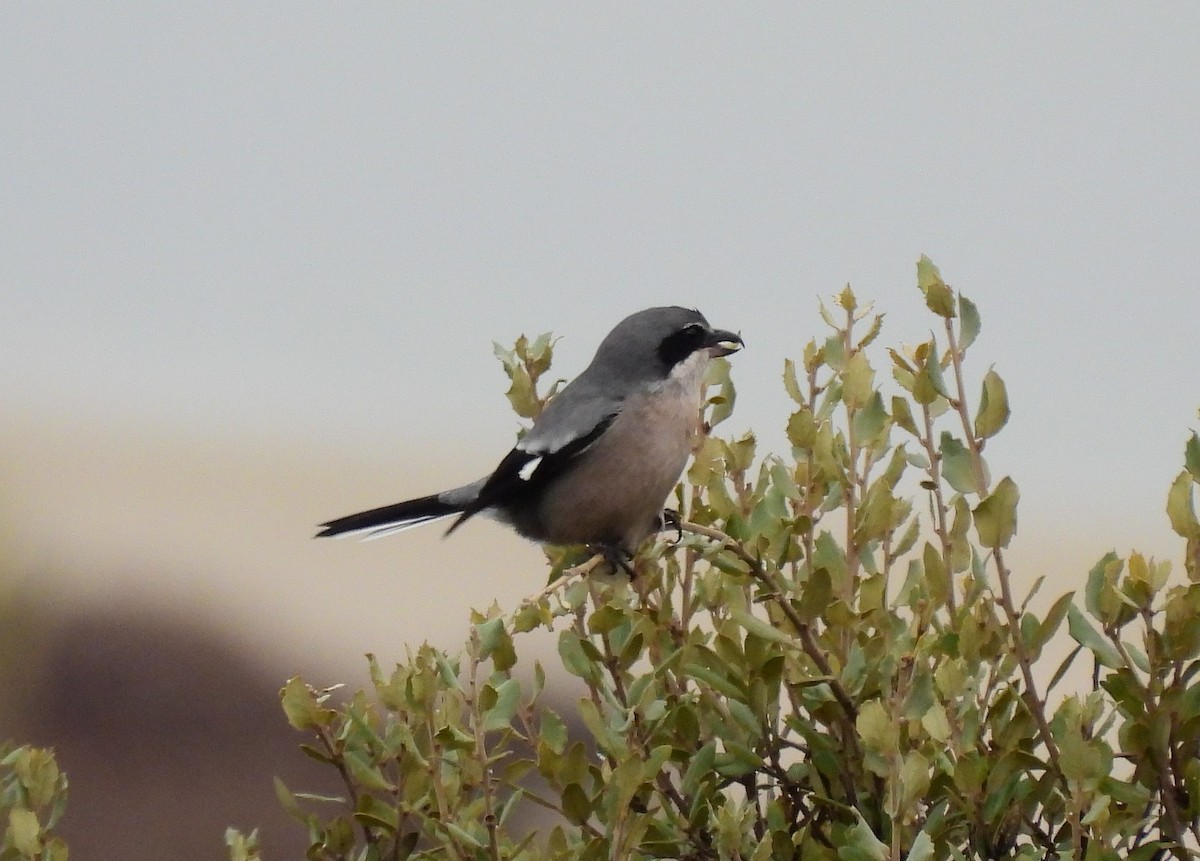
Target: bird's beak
{"x":722,"y":343}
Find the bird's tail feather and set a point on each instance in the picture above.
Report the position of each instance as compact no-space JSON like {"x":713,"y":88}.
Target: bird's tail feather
{"x":391,"y":519}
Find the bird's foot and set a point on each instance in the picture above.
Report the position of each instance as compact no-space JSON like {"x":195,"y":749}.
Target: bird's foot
{"x":670,"y":519}
{"x":618,"y":558}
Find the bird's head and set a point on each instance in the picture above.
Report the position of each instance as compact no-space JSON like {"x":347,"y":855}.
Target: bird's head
{"x":661,"y":338}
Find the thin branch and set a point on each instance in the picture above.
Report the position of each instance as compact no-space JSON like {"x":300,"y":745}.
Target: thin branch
{"x":940,"y":526}
{"x":803,"y":630}
{"x":1029,"y":693}
{"x":489,"y":801}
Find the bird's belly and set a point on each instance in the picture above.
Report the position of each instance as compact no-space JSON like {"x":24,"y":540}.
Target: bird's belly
{"x":617,"y":489}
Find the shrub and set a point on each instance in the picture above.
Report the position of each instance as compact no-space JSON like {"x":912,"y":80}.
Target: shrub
{"x":830,"y":661}
{"x":33,"y":795}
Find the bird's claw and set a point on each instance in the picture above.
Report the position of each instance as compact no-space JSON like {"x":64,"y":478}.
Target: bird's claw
{"x":670,"y":519}
{"x":618,"y":558}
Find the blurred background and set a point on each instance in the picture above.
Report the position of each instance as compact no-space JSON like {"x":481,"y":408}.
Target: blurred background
{"x":253,"y":258}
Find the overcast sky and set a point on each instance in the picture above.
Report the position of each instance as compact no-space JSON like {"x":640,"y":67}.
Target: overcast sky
{"x":310,"y":220}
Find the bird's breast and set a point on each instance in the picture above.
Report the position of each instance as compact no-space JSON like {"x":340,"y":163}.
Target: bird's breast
{"x":614,"y":491}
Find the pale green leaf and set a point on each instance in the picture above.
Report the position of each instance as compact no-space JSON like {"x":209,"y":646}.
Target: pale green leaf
{"x":463,"y":835}
{"x":936,"y":723}
{"x":938,"y":295}
{"x":508,"y":697}
{"x":790,"y":382}
{"x":993,"y":407}
{"x":1181,"y":508}
{"x":870,"y":421}
{"x":877,"y":729}
{"x":1086,"y":635}
{"x":996,"y":516}
{"x":921,"y":849}
{"x":863,"y":842}
{"x":858,"y":381}
{"x":1191,"y":456}
{"x":957,"y":468}
{"x":754,"y":625}
{"x":24,"y":831}
{"x":969,"y":324}
{"x":902,"y":414}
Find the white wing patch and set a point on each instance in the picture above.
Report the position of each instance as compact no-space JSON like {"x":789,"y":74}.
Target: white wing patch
{"x":527,"y":470}
{"x":544,"y":447}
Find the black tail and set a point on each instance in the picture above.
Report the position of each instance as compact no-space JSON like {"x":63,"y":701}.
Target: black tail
{"x":391,"y":518}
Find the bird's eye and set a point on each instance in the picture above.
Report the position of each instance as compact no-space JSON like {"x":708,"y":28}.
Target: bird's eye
{"x":682,"y":343}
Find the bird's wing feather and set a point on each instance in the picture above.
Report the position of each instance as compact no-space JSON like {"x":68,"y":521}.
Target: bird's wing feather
{"x":573,"y":415}
{"x":555,"y":440}
{"x":389,"y":518}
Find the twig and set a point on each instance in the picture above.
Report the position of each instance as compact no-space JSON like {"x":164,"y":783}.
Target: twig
{"x":564,"y":579}
{"x":489,"y":811}
{"x":803,"y":630}
{"x":1033,"y":702}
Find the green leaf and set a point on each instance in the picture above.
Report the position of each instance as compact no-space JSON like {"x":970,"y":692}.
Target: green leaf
{"x":970,"y":324}
{"x":872,"y":332}
{"x":463,"y":835}
{"x":1191,"y":456}
{"x":877,"y":729}
{"x":1100,"y":578}
{"x":825,"y":315}
{"x":921,"y":849}
{"x":365,"y":773}
{"x":928,"y":383}
{"x":914,"y":780}
{"x":56,"y":850}
{"x":700,"y":766}
{"x":721,"y":684}
{"x":604,"y":619}
{"x":1180,"y":507}
{"x":957,"y":469}
{"x":858,"y":382}
{"x":1053,"y":619}
{"x":996,"y":516}
{"x":816,"y":595}
{"x":760,"y":628}
{"x":508,"y":697}
{"x":863,"y":845}
{"x":902,"y":414}
{"x":1084,"y":761}
{"x":377,"y":814}
{"x":286,"y":800}
{"x":937,"y":724}
{"x":938,"y":295}
{"x":791,"y":384}
{"x":920,"y":698}
{"x":575,"y":804}
{"x":1084,"y":634}
{"x":937,"y":578}
{"x":497,"y":644}
{"x":802,"y":428}
{"x":870,"y":421}
{"x":933,"y":368}
{"x":578,"y":656}
{"x":24,"y":831}
{"x":553,"y":731}
{"x":993,"y":407}
{"x":300,"y":705}
{"x":721,"y":403}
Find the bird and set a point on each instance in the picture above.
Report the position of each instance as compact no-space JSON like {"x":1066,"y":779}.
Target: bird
{"x":602,"y":458}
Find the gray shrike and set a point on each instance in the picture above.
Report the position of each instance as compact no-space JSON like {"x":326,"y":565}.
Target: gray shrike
{"x":600,"y":461}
